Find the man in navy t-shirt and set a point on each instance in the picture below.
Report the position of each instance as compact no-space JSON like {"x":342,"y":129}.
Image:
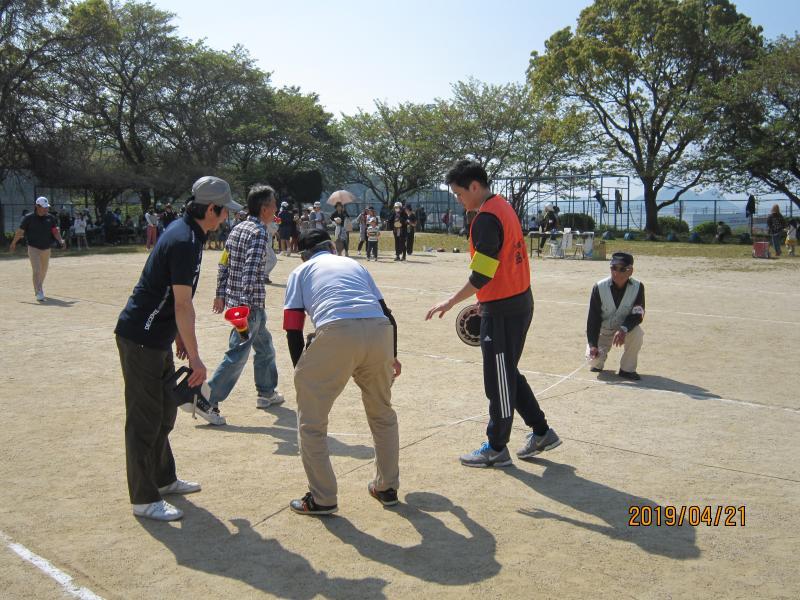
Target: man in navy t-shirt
{"x":160,"y":311}
{"x":39,"y":228}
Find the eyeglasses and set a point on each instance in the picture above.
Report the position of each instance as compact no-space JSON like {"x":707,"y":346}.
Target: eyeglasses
{"x":620,"y":269}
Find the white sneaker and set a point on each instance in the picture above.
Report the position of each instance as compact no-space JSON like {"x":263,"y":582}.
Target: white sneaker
{"x":158,"y":511}
{"x":271,"y":400}
{"x":40,"y":296}
{"x":205,"y":409}
{"x":179,"y":486}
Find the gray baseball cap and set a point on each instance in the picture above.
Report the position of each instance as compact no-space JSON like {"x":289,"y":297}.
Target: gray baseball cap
{"x":213,"y":190}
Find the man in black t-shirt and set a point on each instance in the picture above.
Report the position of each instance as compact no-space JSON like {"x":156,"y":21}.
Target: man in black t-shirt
{"x":39,"y":228}
{"x":160,"y":311}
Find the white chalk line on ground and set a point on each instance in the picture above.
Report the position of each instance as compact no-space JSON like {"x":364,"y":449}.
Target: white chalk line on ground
{"x":627,"y":386}
{"x":65,"y":581}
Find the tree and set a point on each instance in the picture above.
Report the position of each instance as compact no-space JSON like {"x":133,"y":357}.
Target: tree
{"x":392,"y":151}
{"x":33,"y":41}
{"x":757,"y":134}
{"x":483,"y":122}
{"x":114,"y":88}
{"x":645,"y":71}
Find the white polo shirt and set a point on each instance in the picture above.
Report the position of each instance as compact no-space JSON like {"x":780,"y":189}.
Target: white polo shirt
{"x":330,"y":288}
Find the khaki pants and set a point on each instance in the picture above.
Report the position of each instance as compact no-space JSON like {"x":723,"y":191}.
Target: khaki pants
{"x":361,"y":348}
{"x":39,"y":261}
{"x":630,"y":352}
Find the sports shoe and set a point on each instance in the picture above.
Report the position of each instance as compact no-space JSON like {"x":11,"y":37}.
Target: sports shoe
{"x":485,"y":456}
{"x":536,"y":444}
{"x":385,"y":497}
{"x":158,"y":511}
{"x":307,"y":506}
{"x":596,"y":370}
{"x":632,"y":375}
{"x":40,"y":296}
{"x":265,"y":401}
{"x":179,"y":486}
{"x":205,"y":409}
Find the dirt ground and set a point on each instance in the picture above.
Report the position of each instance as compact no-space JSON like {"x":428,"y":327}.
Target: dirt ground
{"x":714,"y":422}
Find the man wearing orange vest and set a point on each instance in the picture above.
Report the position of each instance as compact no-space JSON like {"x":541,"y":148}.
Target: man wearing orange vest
{"x":501,"y":280}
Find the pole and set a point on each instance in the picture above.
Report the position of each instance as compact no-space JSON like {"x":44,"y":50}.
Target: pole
{"x":629,"y":203}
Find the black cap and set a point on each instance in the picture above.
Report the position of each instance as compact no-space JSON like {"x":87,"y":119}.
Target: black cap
{"x":309,"y":239}
{"x":622,"y":258}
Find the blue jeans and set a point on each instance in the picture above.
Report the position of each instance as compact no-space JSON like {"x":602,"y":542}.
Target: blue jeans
{"x":264,"y":368}
{"x":777,"y":242}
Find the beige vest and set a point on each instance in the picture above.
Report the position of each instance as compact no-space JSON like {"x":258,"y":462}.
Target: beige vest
{"x":613,"y":316}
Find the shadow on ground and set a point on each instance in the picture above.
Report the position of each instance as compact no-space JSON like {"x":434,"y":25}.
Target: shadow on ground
{"x":560,"y":483}
{"x":657,"y":382}
{"x":443,"y":556}
{"x":284,"y":430}
{"x":203,"y":543}
{"x":48,"y":301}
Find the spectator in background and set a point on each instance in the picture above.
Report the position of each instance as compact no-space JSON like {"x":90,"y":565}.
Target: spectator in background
{"x":776,"y":226}
{"x":317,"y":218}
{"x":151,"y":228}
{"x":411,"y":223}
{"x":363,"y":221}
{"x":285,"y":224}
{"x":79,"y":228}
{"x":422,"y":216}
{"x":722,"y":231}
{"x":167,"y":217}
{"x":39,"y":229}
{"x":791,"y":236}
{"x":446,"y":220}
{"x":305,"y":222}
{"x":373,"y":233}
{"x":549,"y":223}
{"x":398,"y":225}
{"x":342,"y":238}
{"x":65,"y":224}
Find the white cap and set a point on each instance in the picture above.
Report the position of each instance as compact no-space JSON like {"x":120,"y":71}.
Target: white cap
{"x":43,"y":202}
{"x":317,"y":205}
{"x":398,"y":205}
{"x":284,"y":205}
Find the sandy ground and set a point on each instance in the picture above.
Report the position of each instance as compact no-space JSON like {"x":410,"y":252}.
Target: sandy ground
{"x":714,"y":422}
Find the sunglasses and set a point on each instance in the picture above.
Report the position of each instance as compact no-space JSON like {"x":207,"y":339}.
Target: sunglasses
{"x":620,"y":269}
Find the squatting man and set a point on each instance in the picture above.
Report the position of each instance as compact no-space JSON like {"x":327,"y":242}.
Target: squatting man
{"x":616,"y":311}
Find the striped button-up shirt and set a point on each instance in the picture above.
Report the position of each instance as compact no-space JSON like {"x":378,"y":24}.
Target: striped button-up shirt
{"x":242,"y":272}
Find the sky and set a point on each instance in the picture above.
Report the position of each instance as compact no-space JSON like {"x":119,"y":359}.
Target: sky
{"x":352,"y":52}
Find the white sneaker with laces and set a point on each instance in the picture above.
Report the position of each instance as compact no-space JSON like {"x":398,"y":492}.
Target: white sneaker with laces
{"x":264,"y":401}
{"x":179,"y":486}
{"x":158,"y":511}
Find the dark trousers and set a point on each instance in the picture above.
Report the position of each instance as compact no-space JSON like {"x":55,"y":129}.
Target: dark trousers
{"x":410,"y":242}
{"x":150,"y":416}
{"x":372,"y":249}
{"x":400,"y":247}
{"x":502,"y":342}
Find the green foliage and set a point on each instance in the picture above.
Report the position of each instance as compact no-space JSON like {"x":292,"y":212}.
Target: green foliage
{"x":579,"y":221}
{"x":647,"y":72}
{"x":672,"y":224}
{"x":392,"y":151}
{"x":757,"y":134}
{"x":708,"y":229}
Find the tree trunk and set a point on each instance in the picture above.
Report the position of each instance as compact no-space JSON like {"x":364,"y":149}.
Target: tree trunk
{"x":650,"y":207}
{"x":146,"y":199}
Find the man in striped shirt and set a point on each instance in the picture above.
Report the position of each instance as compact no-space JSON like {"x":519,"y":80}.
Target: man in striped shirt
{"x":241,"y":277}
